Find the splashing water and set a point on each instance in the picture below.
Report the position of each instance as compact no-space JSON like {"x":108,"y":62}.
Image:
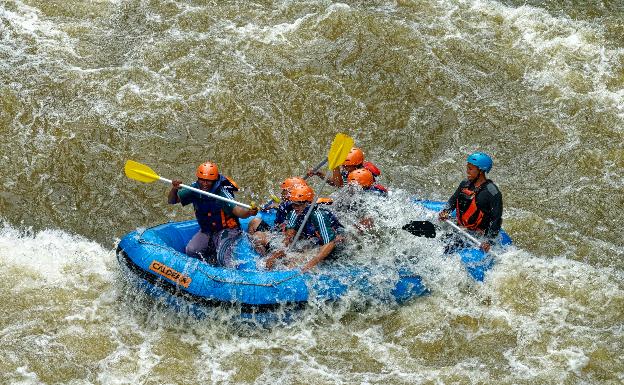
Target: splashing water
{"x":261,"y":89}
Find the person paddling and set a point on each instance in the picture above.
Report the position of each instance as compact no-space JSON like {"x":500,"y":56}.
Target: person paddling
{"x":218,"y":220}
{"x":478,"y":203}
{"x":354,"y":161}
{"x":322,"y":228}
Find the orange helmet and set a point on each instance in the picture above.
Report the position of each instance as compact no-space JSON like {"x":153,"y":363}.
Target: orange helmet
{"x":301,"y":193}
{"x":292,"y":181}
{"x":354,"y":158}
{"x":361,"y":176}
{"x":208,"y":171}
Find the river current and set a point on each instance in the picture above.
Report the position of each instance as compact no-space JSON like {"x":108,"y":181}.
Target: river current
{"x":261,"y":88}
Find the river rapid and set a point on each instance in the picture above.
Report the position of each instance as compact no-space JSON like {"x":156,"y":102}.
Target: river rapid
{"x":261,"y":88}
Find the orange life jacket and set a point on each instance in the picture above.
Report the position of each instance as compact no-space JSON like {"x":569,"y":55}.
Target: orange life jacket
{"x":468,"y":214}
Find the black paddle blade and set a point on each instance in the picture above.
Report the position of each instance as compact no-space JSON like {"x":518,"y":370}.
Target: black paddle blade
{"x":420,"y":229}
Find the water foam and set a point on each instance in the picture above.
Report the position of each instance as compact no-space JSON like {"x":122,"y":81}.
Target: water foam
{"x":28,"y":23}
{"x":52,"y":257}
{"x":568,"y":55}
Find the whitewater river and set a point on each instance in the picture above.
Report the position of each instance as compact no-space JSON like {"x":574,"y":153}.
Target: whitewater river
{"x":261,"y":88}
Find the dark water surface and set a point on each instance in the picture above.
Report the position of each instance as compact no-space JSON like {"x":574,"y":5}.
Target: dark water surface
{"x":261,"y":88}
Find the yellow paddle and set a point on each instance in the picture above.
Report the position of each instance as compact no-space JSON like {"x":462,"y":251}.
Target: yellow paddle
{"x":142,"y":173}
{"x":337,"y":155}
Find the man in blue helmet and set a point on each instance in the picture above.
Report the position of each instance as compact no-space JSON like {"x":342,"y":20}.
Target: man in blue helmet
{"x":478,"y":203}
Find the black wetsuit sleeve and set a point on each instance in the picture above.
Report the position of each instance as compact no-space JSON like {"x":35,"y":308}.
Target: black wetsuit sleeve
{"x":496,"y":216}
{"x":450,"y":205}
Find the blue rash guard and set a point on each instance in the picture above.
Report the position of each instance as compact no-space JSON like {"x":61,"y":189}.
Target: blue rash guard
{"x":321,"y":225}
{"x":281,"y":214}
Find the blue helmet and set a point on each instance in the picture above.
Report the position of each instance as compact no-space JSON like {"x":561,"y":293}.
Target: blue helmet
{"x":481,"y":160}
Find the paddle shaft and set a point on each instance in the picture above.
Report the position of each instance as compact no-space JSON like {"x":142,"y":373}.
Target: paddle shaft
{"x":215,"y":196}
{"x":463,"y":232}
{"x":305,"y":219}
{"x":315,"y":169}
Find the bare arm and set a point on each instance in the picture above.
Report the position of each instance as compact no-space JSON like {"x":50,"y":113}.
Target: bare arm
{"x":335,"y":180}
{"x":173,"y":197}
{"x":365,"y":223}
{"x":289,"y":234}
{"x":324,"y":251}
{"x":243,"y":213}
{"x":288,"y":237}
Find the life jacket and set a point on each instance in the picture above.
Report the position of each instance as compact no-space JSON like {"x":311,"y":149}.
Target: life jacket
{"x":372,"y":168}
{"x":367,"y":165}
{"x":379,"y":189}
{"x":468,"y":214}
{"x":209,"y":211}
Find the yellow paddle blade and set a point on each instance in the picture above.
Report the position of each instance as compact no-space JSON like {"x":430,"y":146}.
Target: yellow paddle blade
{"x":339,"y":150}
{"x":142,"y":173}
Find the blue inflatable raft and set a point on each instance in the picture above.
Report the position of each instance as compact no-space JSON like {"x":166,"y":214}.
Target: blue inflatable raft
{"x":154,"y":259}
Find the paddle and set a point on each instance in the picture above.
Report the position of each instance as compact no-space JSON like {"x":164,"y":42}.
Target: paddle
{"x":275,"y":199}
{"x":420,"y":229}
{"x":472,"y":239}
{"x":315,"y":169}
{"x":427,"y":229}
{"x":337,"y":154}
{"x":142,"y":173}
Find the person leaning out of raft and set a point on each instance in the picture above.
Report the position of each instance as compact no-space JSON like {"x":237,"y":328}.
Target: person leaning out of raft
{"x":478,"y":203}
{"x":218,"y":220}
{"x":354,"y":161}
{"x":322,"y":228}
{"x":261,"y":231}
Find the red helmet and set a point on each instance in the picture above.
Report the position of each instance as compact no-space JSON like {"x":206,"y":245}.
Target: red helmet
{"x":361,"y":176}
{"x":208,"y":171}
{"x":301,"y":193}
{"x":292,"y":181}
{"x":354,"y":158}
